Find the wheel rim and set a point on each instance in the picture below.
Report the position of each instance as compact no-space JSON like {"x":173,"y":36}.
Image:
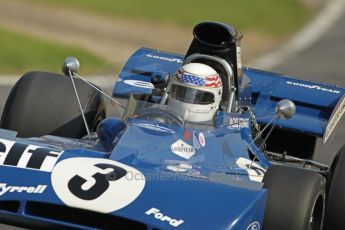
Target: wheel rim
{"x":317,"y":214}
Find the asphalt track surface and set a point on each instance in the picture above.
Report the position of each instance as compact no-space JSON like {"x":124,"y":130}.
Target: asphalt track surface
{"x":323,"y":61}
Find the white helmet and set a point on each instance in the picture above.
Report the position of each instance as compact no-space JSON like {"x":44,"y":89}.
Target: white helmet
{"x":195,"y":92}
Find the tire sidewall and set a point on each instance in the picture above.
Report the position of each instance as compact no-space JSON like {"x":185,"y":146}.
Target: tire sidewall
{"x":292,"y":197}
{"x":335,"y":207}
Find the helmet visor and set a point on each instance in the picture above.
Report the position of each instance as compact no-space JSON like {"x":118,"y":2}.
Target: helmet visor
{"x":190,"y":95}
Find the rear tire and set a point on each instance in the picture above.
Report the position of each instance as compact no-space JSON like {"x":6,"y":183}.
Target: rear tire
{"x":296,"y":198}
{"x":42,"y":103}
{"x":335,"y":208}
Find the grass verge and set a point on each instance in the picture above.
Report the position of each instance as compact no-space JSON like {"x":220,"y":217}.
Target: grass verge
{"x":277,"y":17}
{"x":21,"y":53}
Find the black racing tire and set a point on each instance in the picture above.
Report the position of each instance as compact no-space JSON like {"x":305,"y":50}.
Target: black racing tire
{"x":335,"y":206}
{"x":43,"y":103}
{"x":295,"y":200}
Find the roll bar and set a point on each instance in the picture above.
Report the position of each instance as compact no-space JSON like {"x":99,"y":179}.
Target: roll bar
{"x":229,"y":75}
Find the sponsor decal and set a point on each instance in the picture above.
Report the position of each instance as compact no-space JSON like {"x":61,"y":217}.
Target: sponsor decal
{"x":141,"y":84}
{"x":237,"y":122}
{"x":156,"y":213}
{"x":178,"y":60}
{"x":316,"y":87}
{"x":196,"y":143}
{"x":202,"y":139}
{"x":155,"y":127}
{"x":186,"y":135}
{"x":337,"y":114}
{"x":254,"y":226}
{"x":4,"y":188}
{"x":255,"y":171}
{"x":26,"y":156}
{"x":180,"y":167}
{"x":182,"y":149}
{"x":100,"y":185}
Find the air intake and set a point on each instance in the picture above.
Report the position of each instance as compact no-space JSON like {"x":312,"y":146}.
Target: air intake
{"x":9,"y":206}
{"x":221,"y":40}
{"x":217,"y":39}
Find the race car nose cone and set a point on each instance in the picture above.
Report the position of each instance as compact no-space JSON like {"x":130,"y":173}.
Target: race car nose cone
{"x":70,"y":64}
{"x":285,"y":108}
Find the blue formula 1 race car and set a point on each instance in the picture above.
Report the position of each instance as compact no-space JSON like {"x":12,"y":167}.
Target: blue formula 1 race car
{"x":203,"y":143}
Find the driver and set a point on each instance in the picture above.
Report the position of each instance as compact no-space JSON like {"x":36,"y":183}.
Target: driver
{"x":195,"y":92}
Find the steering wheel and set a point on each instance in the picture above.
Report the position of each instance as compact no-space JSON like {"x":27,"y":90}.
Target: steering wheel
{"x":161,"y":115}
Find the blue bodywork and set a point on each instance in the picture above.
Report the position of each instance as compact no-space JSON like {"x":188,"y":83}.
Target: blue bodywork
{"x":182,"y":177}
{"x":314,"y":101}
{"x":210,"y":180}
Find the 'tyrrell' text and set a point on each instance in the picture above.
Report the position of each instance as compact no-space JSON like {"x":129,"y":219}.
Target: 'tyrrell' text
{"x":4,"y":188}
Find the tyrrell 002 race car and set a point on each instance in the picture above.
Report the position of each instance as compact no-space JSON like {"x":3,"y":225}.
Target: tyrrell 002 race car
{"x":200,"y":142}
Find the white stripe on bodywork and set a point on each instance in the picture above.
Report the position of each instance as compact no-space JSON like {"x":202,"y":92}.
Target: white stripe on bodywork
{"x":337,"y":114}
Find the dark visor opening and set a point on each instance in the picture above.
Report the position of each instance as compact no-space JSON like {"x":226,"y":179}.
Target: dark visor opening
{"x":190,"y":95}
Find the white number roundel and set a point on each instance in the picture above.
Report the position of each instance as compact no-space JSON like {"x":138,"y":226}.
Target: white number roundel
{"x":100,"y":185}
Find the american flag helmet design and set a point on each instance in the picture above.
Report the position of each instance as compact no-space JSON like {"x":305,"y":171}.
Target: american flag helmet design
{"x":212,"y":81}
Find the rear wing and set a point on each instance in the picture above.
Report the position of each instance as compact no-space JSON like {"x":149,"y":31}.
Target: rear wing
{"x":315,"y":102}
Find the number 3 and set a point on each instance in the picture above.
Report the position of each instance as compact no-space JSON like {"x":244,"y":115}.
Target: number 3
{"x":100,"y":186}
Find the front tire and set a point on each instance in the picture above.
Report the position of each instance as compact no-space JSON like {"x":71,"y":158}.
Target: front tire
{"x":296,"y":198}
{"x":43,"y":103}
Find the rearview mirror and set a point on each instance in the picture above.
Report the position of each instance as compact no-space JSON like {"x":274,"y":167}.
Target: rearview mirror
{"x":285,"y":108}
{"x":70,"y":66}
